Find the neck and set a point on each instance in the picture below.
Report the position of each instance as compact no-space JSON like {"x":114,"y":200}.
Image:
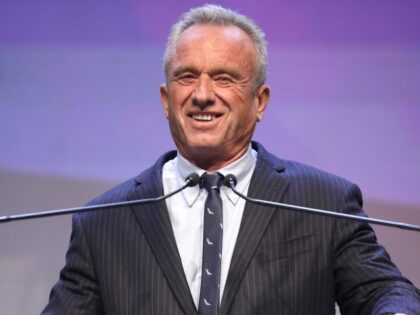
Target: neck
{"x":212,"y":160}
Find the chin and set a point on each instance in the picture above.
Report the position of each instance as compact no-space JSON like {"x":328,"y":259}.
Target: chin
{"x":206,"y":147}
{"x":209,"y":148}
{"x":204,"y":141}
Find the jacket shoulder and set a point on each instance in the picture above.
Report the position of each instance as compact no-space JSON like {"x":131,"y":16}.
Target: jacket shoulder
{"x":124,"y":190}
{"x":300,"y":172}
{"x":314,"y":175}
{"x":117,"y":193}
{"x":127,"y":190}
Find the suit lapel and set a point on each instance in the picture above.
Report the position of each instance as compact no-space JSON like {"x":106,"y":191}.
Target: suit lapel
{"x":267,"y":183}
{"x":156,"y":225}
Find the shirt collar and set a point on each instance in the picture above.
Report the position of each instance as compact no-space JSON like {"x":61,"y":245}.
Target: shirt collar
{"x":242,"y":169}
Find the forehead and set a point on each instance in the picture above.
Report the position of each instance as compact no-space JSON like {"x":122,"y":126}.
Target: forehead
{"x":212,"y":45}
{"x":224,"y":33}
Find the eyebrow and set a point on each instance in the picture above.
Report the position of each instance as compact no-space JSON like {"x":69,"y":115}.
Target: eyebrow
{"x":233,"y":73}
{"x":189,"y":68}
{"x":184,"y":69}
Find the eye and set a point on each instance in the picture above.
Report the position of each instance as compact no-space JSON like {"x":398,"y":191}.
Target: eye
{"x":186,"y":78}
{"x":223,"y":80}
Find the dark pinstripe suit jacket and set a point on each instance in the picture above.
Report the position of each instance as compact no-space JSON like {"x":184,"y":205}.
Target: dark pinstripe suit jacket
{"x":125,"y":261}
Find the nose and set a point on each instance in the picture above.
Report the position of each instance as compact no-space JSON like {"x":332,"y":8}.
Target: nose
{"x":203,"y":94}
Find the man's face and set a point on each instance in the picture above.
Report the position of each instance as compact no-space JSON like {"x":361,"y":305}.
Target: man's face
{"x":209,"y":98}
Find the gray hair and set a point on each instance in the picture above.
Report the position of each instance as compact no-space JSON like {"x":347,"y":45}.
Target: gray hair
{"x":217,"y":15}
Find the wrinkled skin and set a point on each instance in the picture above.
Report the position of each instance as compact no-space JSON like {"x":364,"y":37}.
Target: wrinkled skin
{"x":209,"y":98}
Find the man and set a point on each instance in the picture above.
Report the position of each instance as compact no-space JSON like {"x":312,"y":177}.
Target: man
{"x":151,"y":259}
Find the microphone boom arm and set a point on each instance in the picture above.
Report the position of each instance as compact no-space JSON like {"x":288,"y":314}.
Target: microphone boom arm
{"x":191,"y":180}
{"x":230,"y":181}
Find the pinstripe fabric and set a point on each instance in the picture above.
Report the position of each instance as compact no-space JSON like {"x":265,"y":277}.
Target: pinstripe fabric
{"x":126,"y":261}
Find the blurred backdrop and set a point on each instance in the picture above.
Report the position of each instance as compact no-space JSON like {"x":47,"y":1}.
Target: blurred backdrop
{"x":80,"y":112}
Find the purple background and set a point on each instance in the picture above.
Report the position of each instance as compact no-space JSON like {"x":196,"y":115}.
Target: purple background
{"x":79,"y":111}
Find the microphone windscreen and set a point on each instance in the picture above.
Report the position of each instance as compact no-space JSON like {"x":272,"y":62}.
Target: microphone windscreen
{"x":230,"y":180}
{"x":193,"y":179}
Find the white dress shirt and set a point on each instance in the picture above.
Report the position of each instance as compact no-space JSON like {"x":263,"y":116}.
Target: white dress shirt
{"x":186,"y":211}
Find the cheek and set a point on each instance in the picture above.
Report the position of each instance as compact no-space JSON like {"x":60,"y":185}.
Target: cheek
{"x":176,"y":112}
{"x":180,"y":94}
{"x":175,"y":107}
{"x":238,"y":96}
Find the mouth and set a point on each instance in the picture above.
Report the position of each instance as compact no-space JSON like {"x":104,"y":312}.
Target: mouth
{"x":201,"y":117}
{"x":204,"y":117}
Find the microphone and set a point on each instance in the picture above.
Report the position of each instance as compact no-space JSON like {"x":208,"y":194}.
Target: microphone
{"x":191,"y":180}
{"x":231,"y":181}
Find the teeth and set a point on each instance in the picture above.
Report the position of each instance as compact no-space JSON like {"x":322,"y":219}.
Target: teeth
{"x":204,"y":117}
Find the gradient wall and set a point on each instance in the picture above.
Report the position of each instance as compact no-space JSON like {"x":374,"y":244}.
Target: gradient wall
{"x":80,"y":112}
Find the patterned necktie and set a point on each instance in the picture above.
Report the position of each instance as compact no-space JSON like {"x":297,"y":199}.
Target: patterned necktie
{"x":212,"y":245}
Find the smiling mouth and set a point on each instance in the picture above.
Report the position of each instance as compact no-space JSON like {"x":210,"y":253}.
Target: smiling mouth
{"x":205,"y":117}
{"x":201,"y":117}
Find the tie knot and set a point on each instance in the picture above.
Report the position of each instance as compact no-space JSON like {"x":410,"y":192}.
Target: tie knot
{"x":211,"y":181}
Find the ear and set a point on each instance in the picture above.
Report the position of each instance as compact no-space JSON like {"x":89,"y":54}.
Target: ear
{"x":262,"y":98}
{"x":164,"y":99}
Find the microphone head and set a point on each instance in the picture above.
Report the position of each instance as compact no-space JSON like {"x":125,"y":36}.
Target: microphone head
{"x":192,"y":179}
{"x":230,"y":180}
